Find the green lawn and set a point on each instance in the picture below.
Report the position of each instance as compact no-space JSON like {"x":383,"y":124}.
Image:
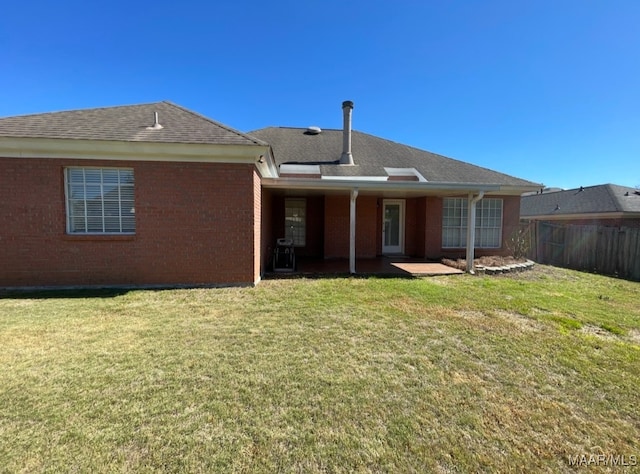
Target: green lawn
{"x":442,"y":374}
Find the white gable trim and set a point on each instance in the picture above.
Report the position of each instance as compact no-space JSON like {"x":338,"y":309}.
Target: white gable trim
{"x":11,"y":147}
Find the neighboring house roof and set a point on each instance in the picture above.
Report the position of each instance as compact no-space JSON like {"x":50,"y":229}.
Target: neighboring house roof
{"x":591,"y":201}
{"x":371,"y":156}
{"x":130,"y":123}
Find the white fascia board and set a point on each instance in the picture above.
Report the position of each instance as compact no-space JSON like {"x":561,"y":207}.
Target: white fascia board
{"x":344,"y":183}
{"x":11,"y":147}
{"x":519,"y":190}
{"x":267,"y":165}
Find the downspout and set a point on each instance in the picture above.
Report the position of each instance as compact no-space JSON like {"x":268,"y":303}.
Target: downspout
{"x":352,"y":232}
{"x":471,"y":229}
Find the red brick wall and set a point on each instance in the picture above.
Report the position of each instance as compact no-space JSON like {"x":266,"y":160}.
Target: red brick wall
{"x":315,"y":228}
{"x":433,"y":228}
{"x":267,"y":234}
{"x":419,"y":219}
{"x":336,"y":226}
{"x":194,"y":225}
{"x":510,"y":223}
{"x":411,"y":224}
{"x":257,"y":227}
{"x":366,"y":227}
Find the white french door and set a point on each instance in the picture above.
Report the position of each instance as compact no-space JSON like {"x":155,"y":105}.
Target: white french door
{"x":393,"y":226}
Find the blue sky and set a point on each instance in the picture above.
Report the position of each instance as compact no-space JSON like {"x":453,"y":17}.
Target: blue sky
{"x":548,"y":91}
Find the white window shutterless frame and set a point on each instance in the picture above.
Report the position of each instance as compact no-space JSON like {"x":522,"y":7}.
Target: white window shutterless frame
{"x":100,"y":200}
{"x":488,"y":231}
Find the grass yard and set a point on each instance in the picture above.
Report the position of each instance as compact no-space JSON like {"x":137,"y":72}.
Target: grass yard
{"x":442,"y":374}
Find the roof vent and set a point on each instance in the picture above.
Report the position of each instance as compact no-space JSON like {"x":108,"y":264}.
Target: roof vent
{"x":313,"y":130}
{"x":156,"y":125}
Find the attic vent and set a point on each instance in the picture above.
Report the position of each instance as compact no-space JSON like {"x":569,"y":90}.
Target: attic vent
{"x":156,"y":125}
{"x":313,"y":130}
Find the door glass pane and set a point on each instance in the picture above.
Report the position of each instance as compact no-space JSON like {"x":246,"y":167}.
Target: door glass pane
{"x":392,"y":225}
{"x":295,"y":220}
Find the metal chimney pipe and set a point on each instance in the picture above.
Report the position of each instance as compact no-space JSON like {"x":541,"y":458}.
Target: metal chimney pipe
{"x":347,"y":157}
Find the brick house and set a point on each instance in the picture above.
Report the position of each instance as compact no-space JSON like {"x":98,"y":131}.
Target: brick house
{"x":157,"y":195}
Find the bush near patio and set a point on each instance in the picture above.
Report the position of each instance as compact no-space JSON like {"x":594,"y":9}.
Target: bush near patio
{"x":444,"y":374}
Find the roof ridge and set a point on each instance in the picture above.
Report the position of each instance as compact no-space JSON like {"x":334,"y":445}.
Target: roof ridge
{"x":219,"y":124}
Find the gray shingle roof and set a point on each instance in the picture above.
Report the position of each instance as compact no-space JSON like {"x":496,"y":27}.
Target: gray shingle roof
{"x":371,"y":154}
{"x":600,"y":199}
{"x":126,"y":123}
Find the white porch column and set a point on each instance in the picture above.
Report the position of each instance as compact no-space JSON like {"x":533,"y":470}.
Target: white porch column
{"x":352,"y":232}
{"x":471,"y":229}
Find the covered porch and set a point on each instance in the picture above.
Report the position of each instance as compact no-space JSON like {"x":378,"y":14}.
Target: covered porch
{"x":349,"y":227}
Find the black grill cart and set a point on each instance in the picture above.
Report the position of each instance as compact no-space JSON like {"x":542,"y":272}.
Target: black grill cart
{"x":284,"y":258}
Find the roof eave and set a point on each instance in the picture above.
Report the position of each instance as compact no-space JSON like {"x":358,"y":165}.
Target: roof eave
{"x":415,"y":187}
{"x":584,"y":215}
{"x":12,"y":147}
{"x":370,"y":185}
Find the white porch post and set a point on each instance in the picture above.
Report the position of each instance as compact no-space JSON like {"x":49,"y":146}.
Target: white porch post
{"x":352,"y":232}
{"x":471,"y":229}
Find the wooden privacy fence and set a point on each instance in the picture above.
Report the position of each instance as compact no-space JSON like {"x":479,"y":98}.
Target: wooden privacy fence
{"x":593,"y":248}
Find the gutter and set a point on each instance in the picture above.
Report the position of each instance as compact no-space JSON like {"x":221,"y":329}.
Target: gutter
{"x":595,"y":215}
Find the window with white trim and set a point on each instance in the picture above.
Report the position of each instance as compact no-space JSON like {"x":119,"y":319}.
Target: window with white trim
{"x":295,"y":220}
{"x":100,"y":201}
{"x":488,"y":223}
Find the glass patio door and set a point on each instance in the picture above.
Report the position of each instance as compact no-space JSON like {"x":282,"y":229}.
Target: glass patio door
{"x":393,"y":226}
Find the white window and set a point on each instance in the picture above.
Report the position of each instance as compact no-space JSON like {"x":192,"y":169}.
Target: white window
{"x":100,"y":201}
{"x":488,"y":223}
{"x":295,"y":221}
